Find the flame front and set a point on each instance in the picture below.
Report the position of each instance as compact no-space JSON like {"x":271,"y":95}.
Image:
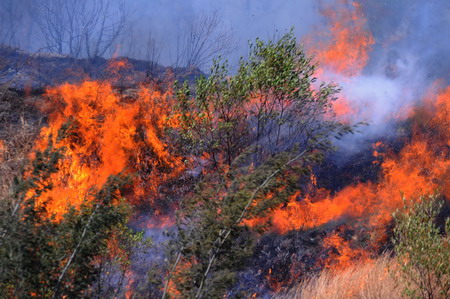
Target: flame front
{"x":421,"y":167}
{"x":110,"y":133}
{"x":342,"y":50}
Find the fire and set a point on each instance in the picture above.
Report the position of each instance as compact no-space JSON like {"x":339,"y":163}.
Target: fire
{"x":2,"y":150}
{"x":343,"y":48}
{"x":110,"y":133}
{"x":421,"y":167}
{"x":378,"y":152}
{"x":178,"y":278}
{"x":116,"y":70}
{"x":441,"y":119}
{"x":157,"y":221}
{"x":129,"y":287}
{"x":342,"y":108}
{"x":341,"y":255}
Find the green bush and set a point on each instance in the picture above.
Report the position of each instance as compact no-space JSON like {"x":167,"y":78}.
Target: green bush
{"x":260,"y":132}
{"x":423,"y":249}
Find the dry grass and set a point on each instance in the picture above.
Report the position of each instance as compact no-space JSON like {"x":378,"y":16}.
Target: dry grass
{"x":19,"y":125}
{"x":374,"y":279}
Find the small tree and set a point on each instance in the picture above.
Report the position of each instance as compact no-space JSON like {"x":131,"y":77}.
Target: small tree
{"x":270,"y":104}
{"x":423,"y":249}
{"x":259,"y":132}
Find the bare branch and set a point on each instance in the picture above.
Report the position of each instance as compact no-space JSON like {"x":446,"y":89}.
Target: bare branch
{"x":204,"y":38}
{"x":81,"y":28}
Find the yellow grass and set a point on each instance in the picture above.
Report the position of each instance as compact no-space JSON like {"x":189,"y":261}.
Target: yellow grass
{"x":13,"y":154}
{"x":368,"y":280}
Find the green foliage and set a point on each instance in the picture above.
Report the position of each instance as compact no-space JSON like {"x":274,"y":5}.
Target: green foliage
{"x":270,"y":104}
{"x":422,"y":249}
{"x":258,"y":133}
{"x":44,"y":258}
{"x":213,"y":238}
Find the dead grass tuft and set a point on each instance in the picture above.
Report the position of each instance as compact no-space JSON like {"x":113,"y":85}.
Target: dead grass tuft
{"x":369,"y":280}
{"x":20,"y":124}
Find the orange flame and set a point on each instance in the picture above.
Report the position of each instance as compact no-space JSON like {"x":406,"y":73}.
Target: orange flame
{"x":421,"y":167}
{"x":2,"y":150}
{"x":343,"y":48}
{"x":342,"y":254}
{"x":110,"y":133}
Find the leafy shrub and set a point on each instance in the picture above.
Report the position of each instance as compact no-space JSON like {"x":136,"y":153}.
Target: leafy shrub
{"x":423,"y":249}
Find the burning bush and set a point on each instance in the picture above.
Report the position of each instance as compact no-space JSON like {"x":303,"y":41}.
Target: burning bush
{"x":43,"y":258}
{"x":417,"y":268}
{"x":258,"y":133}
{"x":110,"y":132}
{"x":239,"y":157}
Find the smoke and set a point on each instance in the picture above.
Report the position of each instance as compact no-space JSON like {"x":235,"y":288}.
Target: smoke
{"x":410,"y":50}
{"x":246,"y":20}
{"x":415,"y":27}
{"x":410,"y":53}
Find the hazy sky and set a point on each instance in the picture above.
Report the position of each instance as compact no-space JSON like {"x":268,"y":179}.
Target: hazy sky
{"x":247,"y":19}
{"x":415,"y":27}
{"x":421,"y":24}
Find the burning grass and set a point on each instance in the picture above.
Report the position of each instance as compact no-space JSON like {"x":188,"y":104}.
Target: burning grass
{"x":108,"y":133}
{"x":420,"y":167}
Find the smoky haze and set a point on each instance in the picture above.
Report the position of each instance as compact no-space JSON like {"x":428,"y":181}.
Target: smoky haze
{"x":409,"y":56}
{"x":166,"y":23}
{"x":410,"y":49}
{"x":244,"y":20}
{"x":412,"y":27}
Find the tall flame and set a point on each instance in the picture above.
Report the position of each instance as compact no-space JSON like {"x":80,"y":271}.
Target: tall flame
{"x":113,"y":132}
{"x":110,"y":132}
{"x":342,"y":49}
{"x":421,"y":167}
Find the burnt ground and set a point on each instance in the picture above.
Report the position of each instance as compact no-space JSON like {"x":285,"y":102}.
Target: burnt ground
{"x":21,"y":70}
